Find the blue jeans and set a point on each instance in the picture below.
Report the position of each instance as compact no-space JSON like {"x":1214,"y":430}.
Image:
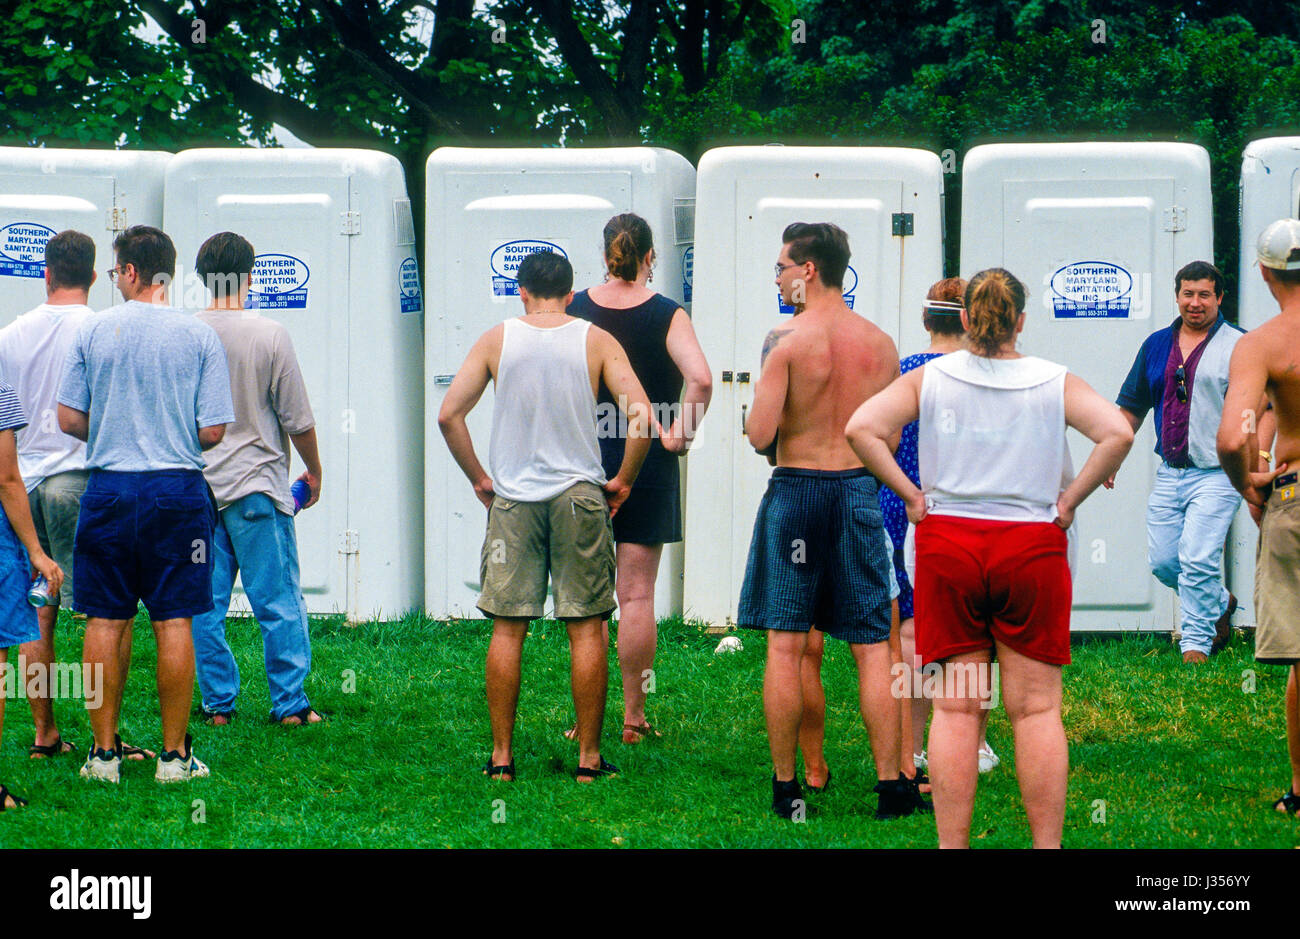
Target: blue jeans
{"x":255,"y":539}
{"x":1187,"y":521}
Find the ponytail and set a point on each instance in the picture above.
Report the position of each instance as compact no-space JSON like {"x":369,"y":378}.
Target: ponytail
{"x":994,"y":301}
{"x":627,"y":241}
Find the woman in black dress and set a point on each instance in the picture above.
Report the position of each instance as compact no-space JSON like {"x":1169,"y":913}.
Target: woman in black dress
{"x":660,"y":343}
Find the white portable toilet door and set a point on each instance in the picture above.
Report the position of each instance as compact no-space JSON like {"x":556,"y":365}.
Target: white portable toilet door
{"x":1072,"y":242}
{"x":865,"y":209}
{"x":300,"y":251}
{"x":480,"y":292}
{"x":29,"y":217}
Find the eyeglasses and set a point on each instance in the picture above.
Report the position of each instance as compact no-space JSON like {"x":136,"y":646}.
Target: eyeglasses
{"x":1180,"y":376}
{"x":113,"y":273}
{"x":780,"y":268}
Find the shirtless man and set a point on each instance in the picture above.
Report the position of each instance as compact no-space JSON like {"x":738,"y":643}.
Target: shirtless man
{"x":818,"y":553}
{"x":1266,"y":362}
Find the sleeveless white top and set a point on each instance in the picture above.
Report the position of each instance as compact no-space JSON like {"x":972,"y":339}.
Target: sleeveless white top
{"x":991,"y":440}
{"x":544,"y":417}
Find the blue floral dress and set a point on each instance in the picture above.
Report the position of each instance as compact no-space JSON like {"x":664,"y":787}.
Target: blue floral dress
{"x":891,"y":506}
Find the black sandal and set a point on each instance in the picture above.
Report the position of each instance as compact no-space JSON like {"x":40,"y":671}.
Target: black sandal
{"x":605,"y":769}
{"x":6,"y":795}
{"x":495,"y":772}
{"x":1288,"y":804}
{"x":210,"y":717}
{"x":57,"y":748}
{"x":302,"y":716}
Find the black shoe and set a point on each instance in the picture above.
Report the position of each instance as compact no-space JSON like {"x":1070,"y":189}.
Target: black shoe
{"x":897,"y":798}
{"x":787,"y":797}
{"x":919,"y":800}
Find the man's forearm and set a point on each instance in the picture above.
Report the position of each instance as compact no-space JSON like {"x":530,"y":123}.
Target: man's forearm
{"x":461,"y":445}
{"x":1237,"y":463}
{"x":634,"y":453}
{"x":308,"y":450}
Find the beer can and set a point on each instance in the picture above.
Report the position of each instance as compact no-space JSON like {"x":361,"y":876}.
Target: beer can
{"x":301,"y":493}
{"x":38,"y":595}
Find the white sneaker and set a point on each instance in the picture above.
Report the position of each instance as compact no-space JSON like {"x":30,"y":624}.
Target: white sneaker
{"x":919,"y":760}
{"x":988,"y":759}
{"x":172,"y":767}
{"x":104,"y":765}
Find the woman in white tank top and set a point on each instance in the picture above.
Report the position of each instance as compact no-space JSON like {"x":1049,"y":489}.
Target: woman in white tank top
{"x":997,"y":495}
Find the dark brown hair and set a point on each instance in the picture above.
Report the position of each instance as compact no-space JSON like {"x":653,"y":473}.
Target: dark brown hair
{"x":224,"y":261}
{"x":150,"y":250}
{"x":945,"y":323}
{"x":70,"y":259}
{"x":1199,"y":270}
{"x":627,"y":241}
{"x":994,"y":301}
{"x":824,"y":244}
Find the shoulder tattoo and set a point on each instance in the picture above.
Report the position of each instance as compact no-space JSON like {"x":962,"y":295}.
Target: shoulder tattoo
{"x":774,"y":337}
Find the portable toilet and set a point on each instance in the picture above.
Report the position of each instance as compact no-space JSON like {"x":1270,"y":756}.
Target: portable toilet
{"x":1096,"y":231}
{"x":486,"y":209}
{"x":335,"y":262}
{"x":1270,"y":190}
{"x":890,"y":202}
{"x":44,"y":191}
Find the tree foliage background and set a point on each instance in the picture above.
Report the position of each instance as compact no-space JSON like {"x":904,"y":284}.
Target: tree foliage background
{"x":406,"y":76}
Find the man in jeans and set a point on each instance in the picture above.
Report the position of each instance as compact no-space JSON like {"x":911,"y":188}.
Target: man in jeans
{"x":53,"y":465}
{"x":147,"y":388}
{"x":1181,"y":372}
{"x":549,"y":504}
{"x":249,"y":475}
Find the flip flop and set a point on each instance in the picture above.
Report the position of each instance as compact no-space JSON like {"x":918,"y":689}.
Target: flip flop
{"x":302,"y":717}
{"x":605,"y":769}
{"x":131,"y":752}
{"x":497,"y":771}
{"x":6,"y":795}
{"x":1289,"y":804}
{"x":643,"y":730}
{"x":59,"y":747}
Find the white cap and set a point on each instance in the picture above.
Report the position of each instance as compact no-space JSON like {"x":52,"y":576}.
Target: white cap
{"x":1278,"y":247}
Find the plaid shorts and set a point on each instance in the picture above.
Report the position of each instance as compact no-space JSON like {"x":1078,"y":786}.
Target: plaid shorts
{"x":818,"y":557}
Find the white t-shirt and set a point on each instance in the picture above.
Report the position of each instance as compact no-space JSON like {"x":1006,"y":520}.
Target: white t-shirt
{"x":33,"y":349}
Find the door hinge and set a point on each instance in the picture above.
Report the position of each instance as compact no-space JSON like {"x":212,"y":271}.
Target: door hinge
{"x":116,"y":219}
{"x":903,"y":223}
{"x":351,"y":223}
{"x":349,"y":542}
{"x":1176,"y":218}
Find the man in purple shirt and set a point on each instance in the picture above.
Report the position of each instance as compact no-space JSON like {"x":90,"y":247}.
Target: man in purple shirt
{"x":1181,"y":372}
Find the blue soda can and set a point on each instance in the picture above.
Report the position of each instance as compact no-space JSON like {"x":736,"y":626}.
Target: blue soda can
{"x":38,"y":594}
{"x":301,"y":493}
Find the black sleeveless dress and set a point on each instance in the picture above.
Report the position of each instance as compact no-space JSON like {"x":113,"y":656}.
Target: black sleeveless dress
{"x":652,"y":513}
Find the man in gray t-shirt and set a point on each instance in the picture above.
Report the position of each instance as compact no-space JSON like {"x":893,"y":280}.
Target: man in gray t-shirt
{"x":249,"y":475}
{"x":147,"y":388}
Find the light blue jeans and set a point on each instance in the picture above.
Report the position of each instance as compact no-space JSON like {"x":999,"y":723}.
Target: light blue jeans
{"x":255,"y":539}
{"x":1187,"y":521}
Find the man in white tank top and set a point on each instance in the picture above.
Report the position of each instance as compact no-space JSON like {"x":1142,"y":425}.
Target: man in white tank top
{"x":549,"y":504}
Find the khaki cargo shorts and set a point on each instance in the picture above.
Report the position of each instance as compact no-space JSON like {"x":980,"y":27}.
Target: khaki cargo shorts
{"x":569,"y":537}
{"x":1277,"y":577}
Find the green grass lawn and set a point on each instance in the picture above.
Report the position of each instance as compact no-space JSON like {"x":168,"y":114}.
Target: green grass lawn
{"x":1179,"y":758}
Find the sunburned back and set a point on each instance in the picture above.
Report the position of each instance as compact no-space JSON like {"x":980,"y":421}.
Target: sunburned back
{"x":837,"y":361}
{"x":1282,"y":342}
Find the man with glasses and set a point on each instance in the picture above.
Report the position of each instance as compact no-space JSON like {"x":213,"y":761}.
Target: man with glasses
{"x":1182,"y":372}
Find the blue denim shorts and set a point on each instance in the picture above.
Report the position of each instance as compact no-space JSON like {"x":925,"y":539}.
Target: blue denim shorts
{"x":818,"y":557}
{"x":17,"y":616}
{"x":144,"y":537}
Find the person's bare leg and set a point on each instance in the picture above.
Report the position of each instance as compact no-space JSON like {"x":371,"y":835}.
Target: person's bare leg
{"x":40,"y":652}
{"x":905,"y":762}
{"x":812,"y":720}
{"x":1031,"y":691}
{"x":175,"y":678}
{"x":783,"y":698}
{"x":954,"y":747}
{"x":102,"y":651}
{"x":11,"y":801}
{"x":879,"y":706}
{"x":589,"y":674}
{"x":504,"y":665}
{"x":572,"y":732}
{"x":919,"y":705}
{"x":1293,"y":726}
{"x":638,"y":566}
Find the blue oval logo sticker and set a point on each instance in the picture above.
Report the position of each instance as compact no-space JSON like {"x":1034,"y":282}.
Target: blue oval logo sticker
{"x":275,"y":274}
{"x":1086,"y":289}
{"x":24,"y":241}
{"x":850,"y":281}
{"x":506,"y":259}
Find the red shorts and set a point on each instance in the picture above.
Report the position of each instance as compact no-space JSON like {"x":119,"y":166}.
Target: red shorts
{"x":978,"y":580}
